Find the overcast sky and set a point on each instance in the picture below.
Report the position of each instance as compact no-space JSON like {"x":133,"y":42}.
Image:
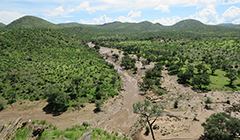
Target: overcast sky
{"x":166,"y":12}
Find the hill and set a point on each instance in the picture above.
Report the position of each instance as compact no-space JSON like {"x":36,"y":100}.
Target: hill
{"x":126,"y":29}
{"x":142,"y":26}
{"x":73,"y":24}
{"x":30,"y":22}
{"x":2,"y":25}
{"x":231,"y":25}
{"x":38,"y":61}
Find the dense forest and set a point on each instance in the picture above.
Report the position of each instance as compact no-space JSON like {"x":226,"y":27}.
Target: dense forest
{"x":38,"y":63}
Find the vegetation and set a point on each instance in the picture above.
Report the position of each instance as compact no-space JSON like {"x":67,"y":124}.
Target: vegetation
{"x":2,"y":25}
{"x":45,"y":63}
{"x":221,"y":126}
{"x":128,"y":62}
{"x":204,"y":62}
{"x":148,"y":110}
{"x":73,"y":133}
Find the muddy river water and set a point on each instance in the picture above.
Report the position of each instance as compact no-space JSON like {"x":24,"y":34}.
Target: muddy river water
{"x":123,"y":119}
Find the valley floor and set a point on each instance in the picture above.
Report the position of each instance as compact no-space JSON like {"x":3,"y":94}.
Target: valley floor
{"x":117,"y":115}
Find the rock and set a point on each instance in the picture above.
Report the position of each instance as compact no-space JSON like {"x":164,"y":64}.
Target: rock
{"x":86,"y":135}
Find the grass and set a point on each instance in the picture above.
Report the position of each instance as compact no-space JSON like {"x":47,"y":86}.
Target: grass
{"x":221,"y":83}
{"x":73,"y":133}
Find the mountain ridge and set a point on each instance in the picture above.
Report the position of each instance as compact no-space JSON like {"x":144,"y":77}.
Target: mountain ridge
{"x":184,"y":25}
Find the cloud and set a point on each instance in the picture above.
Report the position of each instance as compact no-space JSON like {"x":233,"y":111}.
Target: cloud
{"x":163,"y":5}
{"x":231,"y":1}
{"x":208,"y":15}
{"x":102,"y":19}
{"x":236,"y":21}
{"x":124,"y":19}
{"x":84,"y":22}
{"x":167,"y":21}
{"x":84,"y":6}
{"x":232,"y":13}
{"x":163,"y":8}
{"x":7,"y":17}
{"x":58,"y":12}
{"x":114,"y":2}
{"x":133,"y":14}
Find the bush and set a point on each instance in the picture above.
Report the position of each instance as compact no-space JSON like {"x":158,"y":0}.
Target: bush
{"x":221,"y":126}
{"x":11,"y":101}
{"x":147,"y":131}
{"x":98,"y":105}
{"x":176,"y":104}
{"x":2,"y":104}
{"x":208,"y":101}
{"x":58,"y":100}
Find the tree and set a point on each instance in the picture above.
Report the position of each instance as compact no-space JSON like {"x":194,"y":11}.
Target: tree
{"x":128,"y":62}
{"x":135,"y":69}
{"x":187,"y":75}
{"x":232,"y":76}
{"x":221,"y":126}
{"x":98,"y":105}
{"x":213,"y":68}
{"x":58,"y":100}
{"x":138,"y":56}
{"x":146,"y":109}
{"x":144,"y":63}
{"x":116,"y":56}
{"x":202,"y":69}
{"x":203,"y":79}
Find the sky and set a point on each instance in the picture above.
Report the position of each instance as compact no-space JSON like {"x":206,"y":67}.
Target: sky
{"x":165,"y":12}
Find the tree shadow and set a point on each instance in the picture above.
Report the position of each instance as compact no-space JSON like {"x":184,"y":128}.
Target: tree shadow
{"x":238,"y":85}
{"x":49,"y":109}
{"x":97,"y":110}
{"x":214,"y":74}
{"x":230,"y":86}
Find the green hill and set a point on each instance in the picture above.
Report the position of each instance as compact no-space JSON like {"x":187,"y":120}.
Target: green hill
{"x":35,"y":62}
{"x":30,"y":22}
{"x":142,"y":26}
{"x":73,"y":24}
{"x":230,"y":25}
{"x":2,"y":25}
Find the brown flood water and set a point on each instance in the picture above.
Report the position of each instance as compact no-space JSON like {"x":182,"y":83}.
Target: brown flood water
{"x":124,"y":119}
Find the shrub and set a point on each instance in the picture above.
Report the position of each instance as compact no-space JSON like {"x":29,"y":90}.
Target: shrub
{"x":208,"y":101}
{"x":176,"y":104}
{"x":221,"y":126}
{"x":2,"y":104}
{"x":147,"y":131}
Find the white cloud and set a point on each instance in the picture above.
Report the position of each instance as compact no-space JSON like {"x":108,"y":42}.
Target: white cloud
{"x":237,"y":21}
{"x":102,"y":19}
{"x":167,"y":21}
{"x":163,"y":8}
{"x":232,"y":13}
{"x":114,"y":2}
{"x":84,"y":6}
{"x":7,"y":17}
{"x":162,"y":4}
{"x":124,"y":19}
{"x":133,"y":14}
{"x":84,"y":22}
{"x":231,"y":1}
{"x":58,"y":12}
{"x":208,"y":15}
